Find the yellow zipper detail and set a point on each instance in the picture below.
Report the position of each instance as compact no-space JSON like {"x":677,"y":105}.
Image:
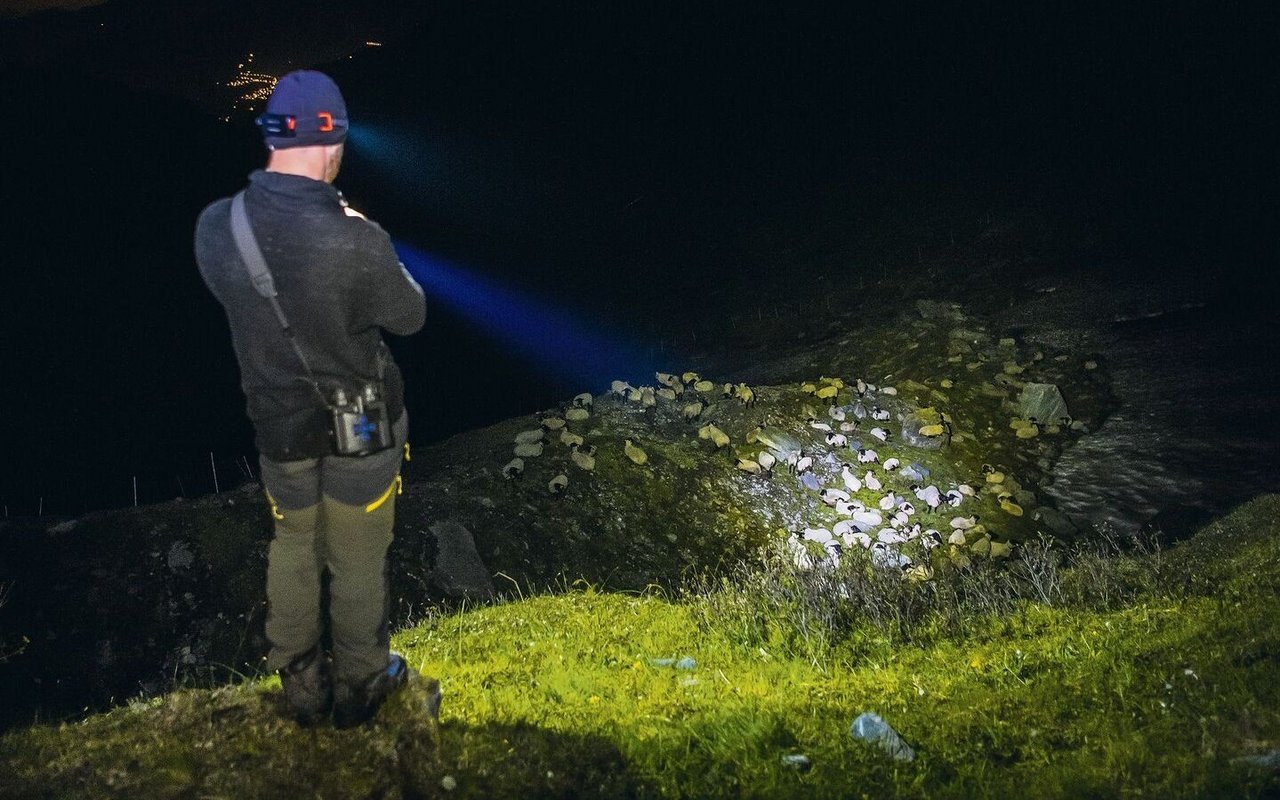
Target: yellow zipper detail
{"x":395,"y":487}
{"x":275,"y":509}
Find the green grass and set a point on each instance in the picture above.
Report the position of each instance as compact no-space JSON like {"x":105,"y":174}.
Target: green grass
{"x":558,"y":696}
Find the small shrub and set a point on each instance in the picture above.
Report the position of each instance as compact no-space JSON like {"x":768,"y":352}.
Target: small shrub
{"x":775,"y":604}
{"x":1108,"y":569}
{"x":1037,"y":571}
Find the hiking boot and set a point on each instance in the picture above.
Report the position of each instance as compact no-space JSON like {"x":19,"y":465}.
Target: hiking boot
{"x":308,"y":689}
{"x":356,"y":704}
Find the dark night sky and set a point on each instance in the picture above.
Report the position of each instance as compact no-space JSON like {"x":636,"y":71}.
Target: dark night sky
{"x":580,"y":149}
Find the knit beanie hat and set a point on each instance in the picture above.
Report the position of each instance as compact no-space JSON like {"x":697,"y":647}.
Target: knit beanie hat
{"x":305,"y":109}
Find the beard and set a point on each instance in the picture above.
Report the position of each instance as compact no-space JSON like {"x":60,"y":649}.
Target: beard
{"x":333,"y":164}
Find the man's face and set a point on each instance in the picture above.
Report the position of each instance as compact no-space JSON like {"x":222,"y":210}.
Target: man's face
{"x":333,"y":161}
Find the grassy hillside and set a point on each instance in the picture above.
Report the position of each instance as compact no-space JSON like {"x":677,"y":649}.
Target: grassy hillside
{"x":118,"y":601}
{"x":1150,"y":673}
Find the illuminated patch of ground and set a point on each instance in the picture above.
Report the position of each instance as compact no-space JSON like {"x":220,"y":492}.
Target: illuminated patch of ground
{"x":1166,"y":689}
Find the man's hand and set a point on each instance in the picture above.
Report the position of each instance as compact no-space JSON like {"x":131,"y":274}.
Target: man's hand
{"x":347,"y":209}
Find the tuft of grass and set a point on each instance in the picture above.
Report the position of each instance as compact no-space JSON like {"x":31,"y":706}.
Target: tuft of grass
{"x":1150,"y":688}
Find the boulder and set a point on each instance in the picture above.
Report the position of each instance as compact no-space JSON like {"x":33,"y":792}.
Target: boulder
{"x":779,"y":441}
{"x":1055,"y":521}
{"x":913,"y":422}
{"x":459,"y":571}
{"x":180,"y":556}
{"x":1043,"y":402}
{"x":1025,"y":498}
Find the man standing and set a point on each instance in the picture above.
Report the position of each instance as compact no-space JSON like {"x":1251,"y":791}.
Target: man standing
{"x":309,"y":344}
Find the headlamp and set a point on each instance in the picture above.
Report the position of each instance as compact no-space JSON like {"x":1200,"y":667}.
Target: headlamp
{"x":284,"y":125}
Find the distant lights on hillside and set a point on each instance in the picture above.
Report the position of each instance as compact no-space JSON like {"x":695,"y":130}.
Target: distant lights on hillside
{"x":251,"y":87}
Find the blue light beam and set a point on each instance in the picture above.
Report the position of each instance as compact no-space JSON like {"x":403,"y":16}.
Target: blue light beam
{"x":553,"y":338}
{"x":433,"y":168}
{"x":408,"y":161}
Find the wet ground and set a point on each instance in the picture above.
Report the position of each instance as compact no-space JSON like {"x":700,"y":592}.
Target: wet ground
{"x":1193,"y":373}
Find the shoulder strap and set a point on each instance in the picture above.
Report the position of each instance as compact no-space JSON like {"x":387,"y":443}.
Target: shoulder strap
{"x":261,"y":277}
{"x":251,"y":254}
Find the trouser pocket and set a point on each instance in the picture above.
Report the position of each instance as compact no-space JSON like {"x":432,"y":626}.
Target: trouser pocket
{"x":363,"y":480}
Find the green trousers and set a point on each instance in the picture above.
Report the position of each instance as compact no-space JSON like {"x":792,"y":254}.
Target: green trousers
{"x":337,"y":514}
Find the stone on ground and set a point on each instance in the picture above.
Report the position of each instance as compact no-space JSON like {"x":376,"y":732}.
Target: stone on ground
{"x":1042,"y":402}
{"x":459,"y":571}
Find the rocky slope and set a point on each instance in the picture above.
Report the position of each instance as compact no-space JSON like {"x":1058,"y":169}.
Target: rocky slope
{"x":122,"y":602}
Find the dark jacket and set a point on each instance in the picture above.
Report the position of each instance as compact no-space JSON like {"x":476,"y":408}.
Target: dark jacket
{"x":338,"y":281}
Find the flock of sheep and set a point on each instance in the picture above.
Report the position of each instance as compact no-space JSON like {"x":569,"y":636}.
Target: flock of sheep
{"x":877,"y":503}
